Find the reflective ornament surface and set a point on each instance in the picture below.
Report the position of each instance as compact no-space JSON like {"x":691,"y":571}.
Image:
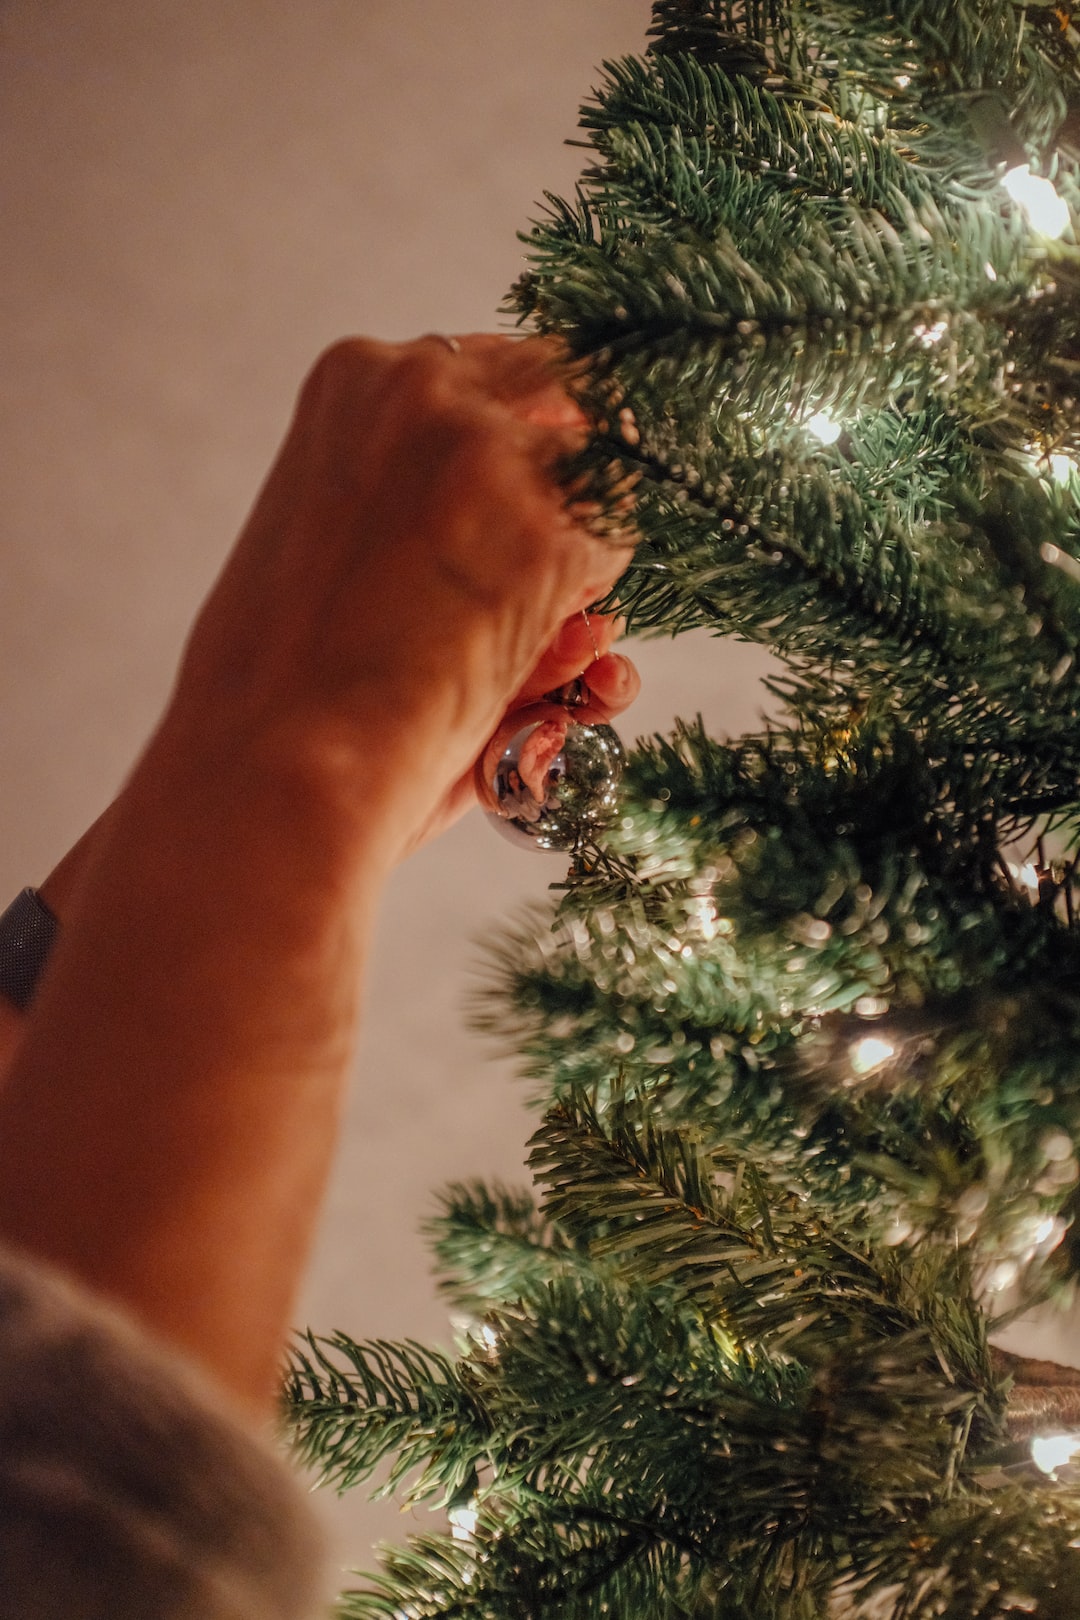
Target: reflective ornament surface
{"x":555,"y":784}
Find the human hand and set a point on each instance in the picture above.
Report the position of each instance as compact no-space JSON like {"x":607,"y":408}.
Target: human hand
{"x":170,"y":1118}
{"x":411,"y":571}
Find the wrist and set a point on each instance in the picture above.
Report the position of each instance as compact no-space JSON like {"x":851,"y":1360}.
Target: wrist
{"x":361,"y":779}
{"x":294,"y":792}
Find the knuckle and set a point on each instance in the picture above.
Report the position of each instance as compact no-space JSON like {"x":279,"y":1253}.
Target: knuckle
{"x":423,"y":377}
{"x":339,"y":367}
{"x":454,"y":432}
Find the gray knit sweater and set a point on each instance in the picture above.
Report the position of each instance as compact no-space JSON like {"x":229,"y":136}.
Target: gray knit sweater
{"x":127,"y":1489}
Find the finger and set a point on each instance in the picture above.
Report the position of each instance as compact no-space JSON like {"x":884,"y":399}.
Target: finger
{"x":533,"y":376}
{"x":612,"y":685}
{"x":530,"y":378}
{"x":460,"y":799}
{"x":581,"y":639}
{"x":609,"y":685}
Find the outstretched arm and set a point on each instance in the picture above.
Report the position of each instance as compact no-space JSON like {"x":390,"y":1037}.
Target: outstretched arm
{"x":56,"y":892}
{"x":169,"y":1116}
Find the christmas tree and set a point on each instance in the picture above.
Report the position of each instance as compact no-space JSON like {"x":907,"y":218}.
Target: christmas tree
{"x":806,"y":1021}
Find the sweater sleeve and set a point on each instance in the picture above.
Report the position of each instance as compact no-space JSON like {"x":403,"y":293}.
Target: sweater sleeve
{"x":128,"y":1490}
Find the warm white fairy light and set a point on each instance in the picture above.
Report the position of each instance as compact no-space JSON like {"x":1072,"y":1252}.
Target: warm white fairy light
{"x":462,"y":1523}
{"x":1027,"y":875}
{"x":823,"y":428}
{"x":929,"y":333}
{"x":1053,"y":464}
{"x":474,"y":1332}
{"x":1002,"y":1276}
{"x":1053,"y":1451}
{"x":870,"y":1052}
{"x":1045,"y":211}
{"x":703,"y":914}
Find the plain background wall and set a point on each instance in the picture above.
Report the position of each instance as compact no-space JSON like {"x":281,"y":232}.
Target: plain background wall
{"x":196,"y":197}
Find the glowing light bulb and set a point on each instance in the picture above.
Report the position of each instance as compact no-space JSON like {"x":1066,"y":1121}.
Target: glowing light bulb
{"x":902,"y":80}
{"x":1029,"y":877}
{"x":870,"y":1052}
{"x":1061,"y":468}
{"x":462,"y":1523}
{"x":1046,"y":212}
{"x":1002,"y":1276}
{"x":1052,"y":1451}
{"x":823,"y":428}
{"x":930,"y":334}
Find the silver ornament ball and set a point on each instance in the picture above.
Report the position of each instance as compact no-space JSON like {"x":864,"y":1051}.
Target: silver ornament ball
{"x":562,"y":795}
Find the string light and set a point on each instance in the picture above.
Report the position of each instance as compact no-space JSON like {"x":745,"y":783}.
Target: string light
{"x":823,"y":428}
{"x":1053,"y":1451}
{"x":1045,"y":211}
{"x":1026,"y":875}
{"x":462,"y":1523}
{"x":1055,"y":464}
{"x":703,"y":914}
{"x":870,"y":1052}
{"x":929,"y":334}
{"x":1002,"y":1276}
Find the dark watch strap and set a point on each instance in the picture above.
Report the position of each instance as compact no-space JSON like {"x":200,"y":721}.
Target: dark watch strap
{"x":27,"y":931}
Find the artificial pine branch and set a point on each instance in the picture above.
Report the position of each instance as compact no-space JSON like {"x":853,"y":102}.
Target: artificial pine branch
{"x":350,"y":1406}
{"x":493,"y":1244}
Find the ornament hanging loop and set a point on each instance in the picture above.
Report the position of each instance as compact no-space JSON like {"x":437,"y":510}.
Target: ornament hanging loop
{"x":574,"y":695}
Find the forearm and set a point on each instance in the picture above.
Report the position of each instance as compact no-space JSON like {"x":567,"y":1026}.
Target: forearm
{"x":12,"y":1024}
{"x":169,"y":1118}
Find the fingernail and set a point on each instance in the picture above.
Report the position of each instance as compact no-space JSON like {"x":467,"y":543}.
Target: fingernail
{"x":614,"y":681}
{"x":626,"y":678}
